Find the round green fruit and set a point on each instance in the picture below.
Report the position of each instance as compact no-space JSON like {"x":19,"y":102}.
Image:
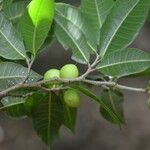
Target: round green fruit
{"x":50,"y":74}
{"x":72,"y":98}
{"x":69,"y":71}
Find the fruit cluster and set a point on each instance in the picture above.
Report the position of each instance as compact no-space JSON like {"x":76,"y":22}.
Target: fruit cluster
{"x":69,"y":71}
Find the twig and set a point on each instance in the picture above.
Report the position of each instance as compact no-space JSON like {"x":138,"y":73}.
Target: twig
{"x":114,"y":84}
{"x":91,"y":68}
{"x":38,"y":85}
{"x":29,"y":63}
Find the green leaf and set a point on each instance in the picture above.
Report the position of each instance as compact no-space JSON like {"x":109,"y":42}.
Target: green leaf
{"x":88,"y":93}
{"x":113,"y":100}
{"x":96,"y":12}
{"x":144,"y":73}
{"x":47,"y":118}
{"x":36,"y":22}
{"x":124,"y":62}
{"x":69,"y":115}
{"x":13,"y":107}
{"x":71,"y":31}
{"x":15,"y":11}
{"x":12,"y":73}
{"x":122,"y":24}
{"x":6,"y":3}
{"x":50,"y":39}
{"x":148,"y":19}
{"x":19,"y":107}
{"x":32,"y":102}
{"x":12,"y":46}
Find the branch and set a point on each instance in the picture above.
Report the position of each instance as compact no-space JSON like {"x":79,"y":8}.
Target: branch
{"x":29,"y":63}
{"x":91,"y":68}
{"x":114,"y":84}
{"x":39,"y":85}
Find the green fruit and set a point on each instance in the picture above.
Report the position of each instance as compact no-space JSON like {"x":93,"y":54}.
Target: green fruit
{"x":72,"y":98}
{"x":50,"y":74}
{"x":69,"y":71}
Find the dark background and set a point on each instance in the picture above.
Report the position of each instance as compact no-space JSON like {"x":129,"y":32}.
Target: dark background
{"x":92,"y":131}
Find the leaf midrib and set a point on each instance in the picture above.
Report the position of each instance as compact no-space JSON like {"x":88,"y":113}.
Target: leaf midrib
{"x":35,"y":29}
{"x":98,"y":14}
{"x":12,"y":44}
{"x":49,"y":118}
{"x":71,"y":37}
{"x":120,"y":63}
{"x":10,"y":105}
{"x":114,"y":108}
{"x":99,"y":101}
{"x":91,"y":47}
{"x":112,"y":37}
{"x":9,"y":77}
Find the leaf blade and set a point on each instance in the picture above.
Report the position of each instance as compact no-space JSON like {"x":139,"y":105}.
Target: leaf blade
{"x":15,"y":11}
{"x":12,"y":73}
{"x":96,"y":12}
{"x":96,"y":99}
{"x":47,"y":118}
{"x":125,"y":15}
{"x":70,"y":32}
{"x":13,"y":107}
{"x":124,"y":62}
{"x":69,"y":115}
{"x":36,"y":23}
{"x":113,"y":100}
{"x":12,"y":46}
